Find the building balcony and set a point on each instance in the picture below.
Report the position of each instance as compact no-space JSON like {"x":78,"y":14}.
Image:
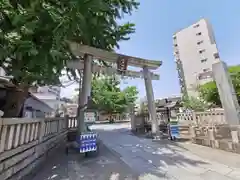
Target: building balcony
{"x":180,"y":76}
{"x":179,"y":67}
{"x":174,"y":39}
{"x":176,"y":54}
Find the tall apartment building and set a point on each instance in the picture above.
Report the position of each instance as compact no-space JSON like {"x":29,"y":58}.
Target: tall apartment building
{"x":195,"y":52}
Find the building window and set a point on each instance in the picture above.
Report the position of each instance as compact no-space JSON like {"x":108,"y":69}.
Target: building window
{"x":206,"y":75}
{"x":204,"y":60}
{"x":202,"y":51}
{"x":199,"y":34}
{"x":174,"y":37}
{"x":216,"y":55}
{"x":175,"y":45}
{"x":196,"y":26}
{"x":205,"y":70}
{"x":199,"y":42}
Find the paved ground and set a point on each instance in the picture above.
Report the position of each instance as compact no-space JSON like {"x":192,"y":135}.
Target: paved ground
{"x":165,"y":160}
{"x":137,"y":158}
{"x":106,"y":166}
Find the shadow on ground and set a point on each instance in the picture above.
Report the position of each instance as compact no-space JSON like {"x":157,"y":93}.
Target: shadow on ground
{"x":157,"y":159}
{"x":74,"y":166}
{"x":125,"y":156}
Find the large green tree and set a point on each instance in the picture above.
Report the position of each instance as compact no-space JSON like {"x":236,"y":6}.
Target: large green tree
{"x":108,"y":97}
{"x":209,"y":91}
{"x":192,"y":103}
{"x":34,"y":37}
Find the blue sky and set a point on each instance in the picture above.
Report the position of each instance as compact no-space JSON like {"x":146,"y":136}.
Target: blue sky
{"x":157,"y":20}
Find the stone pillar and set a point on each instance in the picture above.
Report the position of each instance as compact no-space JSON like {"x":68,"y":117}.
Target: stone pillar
{"x":86,"y":90}
{"x":192,"y":131}
{"x":79,"y":91}
{"x":211,"y":134}
{"x":226,"y":92}
{"x":150,"y":100}
{"x":235,"y":138}
{"x":132,"y":118}
{"x":66,"y":122}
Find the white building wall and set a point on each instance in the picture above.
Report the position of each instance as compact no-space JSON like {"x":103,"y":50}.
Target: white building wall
{"x":50,"y":95}
{"x":2,"y":72}
{"x":195,"y":50}
{"x":49,"y":99}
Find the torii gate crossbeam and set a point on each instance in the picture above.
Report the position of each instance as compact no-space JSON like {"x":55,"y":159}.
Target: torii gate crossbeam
{"x":89,"y":53}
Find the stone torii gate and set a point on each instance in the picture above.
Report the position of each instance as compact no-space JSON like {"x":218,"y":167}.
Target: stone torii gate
{"x":88,"y":67}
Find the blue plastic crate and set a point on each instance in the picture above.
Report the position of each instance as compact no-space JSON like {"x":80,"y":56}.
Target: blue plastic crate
{"x":87,"y":142}
{"x":174,"y":130}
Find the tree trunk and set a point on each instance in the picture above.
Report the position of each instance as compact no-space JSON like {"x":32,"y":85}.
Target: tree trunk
{"x":111,"y":118}
{"x":15,"y":101}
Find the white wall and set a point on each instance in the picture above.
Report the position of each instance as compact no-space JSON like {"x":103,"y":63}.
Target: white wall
{"x":50,"y":95}
{"x":2,"y":72}
{"x":49,"y":99}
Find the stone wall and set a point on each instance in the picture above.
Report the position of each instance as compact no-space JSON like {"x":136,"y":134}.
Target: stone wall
{"x":26,"y":143}
{"x":222,"y":137}
{"x":210,"y":129}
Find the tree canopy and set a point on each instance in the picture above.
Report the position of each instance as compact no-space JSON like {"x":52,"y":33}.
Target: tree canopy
{"x":209,"y":91}
{"x":192,"y":103}
{"x":34,"y":35}
{"x":108,"y":97}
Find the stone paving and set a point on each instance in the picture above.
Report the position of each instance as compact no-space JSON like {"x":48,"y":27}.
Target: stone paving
{"x":125,"y":156}
{"x":105,"y":166}
{"x":167,"y":160}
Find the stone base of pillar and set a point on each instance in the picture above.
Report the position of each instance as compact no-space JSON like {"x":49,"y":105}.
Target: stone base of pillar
{"x":158,"y":136}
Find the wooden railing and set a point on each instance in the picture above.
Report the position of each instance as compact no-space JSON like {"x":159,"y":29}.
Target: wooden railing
{"x":24,"y":143}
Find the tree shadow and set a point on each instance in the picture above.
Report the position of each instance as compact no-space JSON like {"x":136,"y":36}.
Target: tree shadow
{"x":160,"y":159}
{"x":123,"y":156}
{"x":74,"y":166}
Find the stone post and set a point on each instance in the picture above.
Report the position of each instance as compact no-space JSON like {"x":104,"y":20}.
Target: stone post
{"x":132,"y":118}
{"x":67,"y":121}
{"x":195,"y":120}
{"x":192,"y":131}
{"x":42,"y":130}
{"x":227,"y":93}
{"x":211,"y":134}
{"x":235,"y":137}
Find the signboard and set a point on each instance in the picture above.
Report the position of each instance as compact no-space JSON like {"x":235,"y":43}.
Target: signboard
{"x":122,"y":63}
{"x":88,"y":142}
{"x":174,"y":129}
{"x":90,"y":117}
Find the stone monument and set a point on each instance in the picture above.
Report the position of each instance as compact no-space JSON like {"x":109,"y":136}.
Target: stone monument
{"x":227,"y":93}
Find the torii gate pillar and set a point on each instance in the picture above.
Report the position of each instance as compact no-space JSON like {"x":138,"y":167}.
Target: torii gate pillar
{"x":86,"y":91}
{"x":150,"y":99}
